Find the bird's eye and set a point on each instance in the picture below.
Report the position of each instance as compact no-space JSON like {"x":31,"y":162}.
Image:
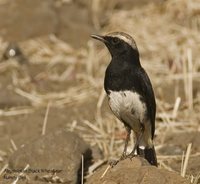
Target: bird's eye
{"x":115,"y":41}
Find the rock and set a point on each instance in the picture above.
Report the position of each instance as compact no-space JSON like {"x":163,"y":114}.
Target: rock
{"x":135,"y":171}
{"x":21,"y":20}
{"x":176,"y":143}
{"x":181,"y":140}
{"x":59,"y":151}
{"x":10,"y":99}
{"x":18,"y":23}
{"x":73,"y":20}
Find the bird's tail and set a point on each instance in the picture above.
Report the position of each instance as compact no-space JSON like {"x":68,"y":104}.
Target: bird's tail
{"x":149,"y":154}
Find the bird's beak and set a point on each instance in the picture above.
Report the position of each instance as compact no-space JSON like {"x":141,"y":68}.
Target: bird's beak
{"x":100,"y":38}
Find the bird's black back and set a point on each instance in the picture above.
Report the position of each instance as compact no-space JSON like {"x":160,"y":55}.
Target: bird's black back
{"x":127,"y":75}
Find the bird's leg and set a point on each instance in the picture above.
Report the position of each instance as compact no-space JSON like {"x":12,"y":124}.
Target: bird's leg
{"x":132,"y":154}
{"x":123,"y":156}
{"x":128,"y":130}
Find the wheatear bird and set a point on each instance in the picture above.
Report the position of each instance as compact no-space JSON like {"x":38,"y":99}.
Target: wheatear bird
{"x":130,"y":93}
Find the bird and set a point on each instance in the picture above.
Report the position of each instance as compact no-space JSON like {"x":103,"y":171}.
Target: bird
{"x":130,"y":94}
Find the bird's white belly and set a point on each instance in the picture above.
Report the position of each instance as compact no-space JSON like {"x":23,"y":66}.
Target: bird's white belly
{"x":128,"y":107}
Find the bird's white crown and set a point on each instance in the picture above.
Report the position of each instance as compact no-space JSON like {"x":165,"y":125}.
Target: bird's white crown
{"x":125,"y":37}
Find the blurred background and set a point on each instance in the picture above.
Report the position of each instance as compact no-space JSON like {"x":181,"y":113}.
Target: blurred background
{"x":48,"y":61}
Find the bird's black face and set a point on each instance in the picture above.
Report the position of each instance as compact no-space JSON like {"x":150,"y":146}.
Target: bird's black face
{"x":115,"y":45}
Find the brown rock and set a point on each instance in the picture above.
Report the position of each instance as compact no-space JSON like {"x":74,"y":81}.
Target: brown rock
{"x":59,"y":151}
{"x":135,"y":171}
{"x":10,"y":99}
{"x":75,"y":25}
{"x":20,"y":20}
{"x":176,"y":143}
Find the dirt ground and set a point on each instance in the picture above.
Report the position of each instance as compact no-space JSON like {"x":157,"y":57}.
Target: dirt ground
{"x":63,"y":70}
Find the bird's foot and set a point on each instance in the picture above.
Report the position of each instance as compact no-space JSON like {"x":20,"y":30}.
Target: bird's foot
{"x":123,"y":157}
{"x":131,"y":155}
{"x":115,"y":162}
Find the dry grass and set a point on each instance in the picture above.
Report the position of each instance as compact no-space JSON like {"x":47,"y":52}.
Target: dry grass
{"x":169,"y":42}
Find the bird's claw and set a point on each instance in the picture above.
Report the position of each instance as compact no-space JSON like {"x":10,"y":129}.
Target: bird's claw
{"x":131,"y":155}
{"x":123,"y":157}
{"x":113,"y":163}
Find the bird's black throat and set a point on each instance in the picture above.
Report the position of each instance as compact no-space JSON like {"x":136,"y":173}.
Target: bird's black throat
{"x":120,"y":73}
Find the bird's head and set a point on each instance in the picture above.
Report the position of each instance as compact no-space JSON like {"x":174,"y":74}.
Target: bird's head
{"x":118,"y":43}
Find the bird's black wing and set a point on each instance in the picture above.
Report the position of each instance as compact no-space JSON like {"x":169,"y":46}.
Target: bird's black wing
{"x":143,"y":86}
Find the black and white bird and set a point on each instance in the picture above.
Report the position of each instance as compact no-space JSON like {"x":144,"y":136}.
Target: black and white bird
{"x":130,"y":93}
